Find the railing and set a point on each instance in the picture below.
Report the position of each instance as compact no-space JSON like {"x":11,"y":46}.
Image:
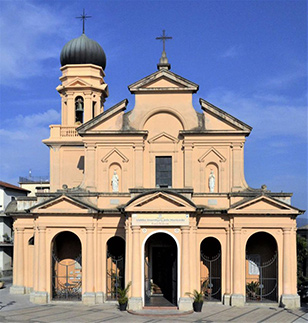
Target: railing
{"x":34,"y":179}
{"x":68,"y":132}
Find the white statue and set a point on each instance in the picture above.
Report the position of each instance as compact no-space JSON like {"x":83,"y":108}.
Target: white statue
{"x":115,"y":182}
{"x":212,"y":182}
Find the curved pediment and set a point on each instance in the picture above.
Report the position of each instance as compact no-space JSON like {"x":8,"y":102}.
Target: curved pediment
{"x":160,"y":201}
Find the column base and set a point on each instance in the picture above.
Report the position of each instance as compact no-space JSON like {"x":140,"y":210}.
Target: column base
{"x":237,"y":300}
{"x":39,"y":297}
{"x":17,"y":290}
{"x":226,"y":299}
{"x":135,"y":304}
{"x":185,"y":304}
{"x":89,"y":298}
{"x":290,"y":301}
{"x":100,"y":298}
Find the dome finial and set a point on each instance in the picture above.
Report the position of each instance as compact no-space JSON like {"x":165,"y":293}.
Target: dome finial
{"x":83,"y":17}
{"x":163,"y":62}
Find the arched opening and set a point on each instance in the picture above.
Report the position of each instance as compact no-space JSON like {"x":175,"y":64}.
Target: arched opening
{"x":261,"y":268}
{"x":160,"y":270}
{"x":66,"y":267}
{"x":79,"y":108}
{"x":210,"y":269}
{"x":115,"y":266}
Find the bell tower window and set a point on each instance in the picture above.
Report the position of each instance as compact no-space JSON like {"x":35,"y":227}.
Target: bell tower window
{"x":163,"y":171}
{"x":79,"y":107}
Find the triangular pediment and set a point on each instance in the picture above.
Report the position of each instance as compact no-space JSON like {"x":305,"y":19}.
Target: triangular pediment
{"x":262,"y":205}
{"x":97,"y":124}
{"x":163,"y":137}
{"x":62,"y":204}
{"x":78,"y":82}
{"x":116,"y":152}
{"x":159,"y":202}
{"x":208,"y":153}
{"x":217,"y":119}
{"x":163,"y":80}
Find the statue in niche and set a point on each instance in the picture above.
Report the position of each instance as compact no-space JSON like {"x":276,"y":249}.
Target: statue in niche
{"x":115,"y":182}
{"x":212,"y":182}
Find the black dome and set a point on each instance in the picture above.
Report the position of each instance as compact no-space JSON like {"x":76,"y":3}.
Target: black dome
{"x":83,"y":50}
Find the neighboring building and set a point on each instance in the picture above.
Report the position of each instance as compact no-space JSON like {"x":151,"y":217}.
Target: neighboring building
{"x":35,"y":184}
{"x":156,"y":196}
{"x":8,"y":192}
{"x":303,"y":232}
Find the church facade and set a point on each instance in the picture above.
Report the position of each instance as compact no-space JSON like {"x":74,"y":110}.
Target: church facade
{"x":155,"y":196}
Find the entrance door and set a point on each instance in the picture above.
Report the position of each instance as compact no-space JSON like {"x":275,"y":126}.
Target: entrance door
{"x":160,"y":271}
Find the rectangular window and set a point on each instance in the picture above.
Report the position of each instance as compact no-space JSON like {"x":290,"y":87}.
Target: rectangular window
{"x":163,"y":171}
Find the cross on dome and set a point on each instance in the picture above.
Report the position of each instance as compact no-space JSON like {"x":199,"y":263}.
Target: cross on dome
{"x":83,"y":17}
{"x":163,"y":62}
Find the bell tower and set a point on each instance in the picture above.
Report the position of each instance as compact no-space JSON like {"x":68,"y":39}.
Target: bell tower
{"x":83,"y":89}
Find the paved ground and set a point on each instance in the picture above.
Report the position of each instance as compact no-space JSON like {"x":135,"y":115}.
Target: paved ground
{"x":17,"y":308}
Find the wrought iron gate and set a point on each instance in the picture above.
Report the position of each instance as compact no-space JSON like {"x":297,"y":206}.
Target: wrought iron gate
{"x":265,"y":286}
{"x":66,"y":278}
{"x":147,"y":281}
{"x":115,"y":275}
{"x":211,"y":284}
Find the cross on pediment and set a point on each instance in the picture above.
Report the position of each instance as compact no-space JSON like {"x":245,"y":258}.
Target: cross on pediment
{"x":164,"y":38}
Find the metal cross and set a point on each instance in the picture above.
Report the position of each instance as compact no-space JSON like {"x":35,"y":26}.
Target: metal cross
{"x":83,"y":17}
{"x":163,"y":38}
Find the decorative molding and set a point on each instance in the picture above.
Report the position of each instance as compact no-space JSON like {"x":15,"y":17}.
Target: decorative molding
{"x":115,"y":151}
{"x":216,"y":152}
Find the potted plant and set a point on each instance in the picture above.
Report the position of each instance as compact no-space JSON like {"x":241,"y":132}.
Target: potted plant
{"x":198,"y":300}
{"x":122,"y":297}
{"x":252,"y":289}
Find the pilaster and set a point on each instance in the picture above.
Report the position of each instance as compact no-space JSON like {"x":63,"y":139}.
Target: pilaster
{"x":188,"y":151}
{"x":139,"y":165}
{"x":135,"y":302}
{"x":88,"y":297}
{"x":237,"y":298}
{"x":288,"y":299}
{"x":18,"y":269}
{"x":185,"y":303}
{"x":90,"y":165}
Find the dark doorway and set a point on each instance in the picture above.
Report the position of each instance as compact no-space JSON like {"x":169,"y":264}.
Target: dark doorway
{"x":160,"y":271}
{"x":210,"y":271}
{"x":66,"y":267}
{"x":261,"y":268}
{"x":115,"y":266}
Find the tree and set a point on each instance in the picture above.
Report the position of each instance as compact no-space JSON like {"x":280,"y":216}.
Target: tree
{"x":302,"y":254}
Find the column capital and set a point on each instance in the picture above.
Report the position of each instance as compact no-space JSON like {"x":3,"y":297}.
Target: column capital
{"x":89,"y":229}
{"x":41,"y":228}
{"x":19,"y":229}
{"x":136,"y":229}
{"x":185,"y":229}
{"x":90,"y":146}
{"x":286,"y":230}
{"x":237,"y":229}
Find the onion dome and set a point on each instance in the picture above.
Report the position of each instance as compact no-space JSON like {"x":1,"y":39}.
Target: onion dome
{"x":83,"y":50}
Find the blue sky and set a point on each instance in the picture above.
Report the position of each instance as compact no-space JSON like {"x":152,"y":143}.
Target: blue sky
{"x":248,"y":57}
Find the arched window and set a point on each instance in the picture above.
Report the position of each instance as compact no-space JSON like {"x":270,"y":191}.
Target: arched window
{"x":79,"y":107}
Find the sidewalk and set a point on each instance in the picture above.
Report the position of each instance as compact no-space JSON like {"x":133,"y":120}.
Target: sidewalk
{"x":17,"y":308}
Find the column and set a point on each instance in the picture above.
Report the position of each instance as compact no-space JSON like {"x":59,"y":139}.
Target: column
{"x":18,"y":283}
{"x":188,"y":165}
{"x":88,"y":297}
{"x":90,"y":169}
{"x":139,"y":165}
{"x":185,"y":302}
{"x":135,"y":302}
{"x":237,"y":298}
{"x":87,"y":111}
{"x":41,"y":295}
{"x":101,"y":271}
{"x":288,"y":299}
{"x":227,"y":266}
{"x":237,"y":163}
